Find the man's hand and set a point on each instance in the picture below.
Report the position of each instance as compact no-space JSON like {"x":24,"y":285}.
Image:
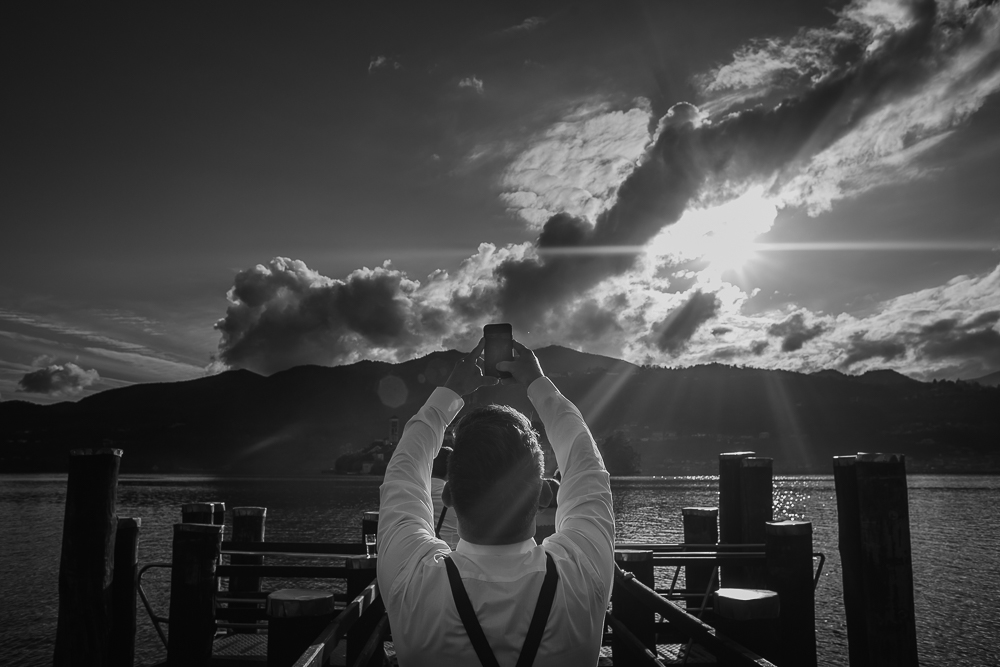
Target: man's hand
{"x":525,"y":367}
{"x":467,"y":376}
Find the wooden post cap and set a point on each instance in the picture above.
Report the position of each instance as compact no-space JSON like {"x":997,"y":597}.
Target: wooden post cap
{"x":191,"y":508}
{"x":847,"y":460}
{"x":249,"y":511}
{"x":197,"y":528}
{"x":699,"y":511}
{"x":370,"y":516}
{"x":756,"y":462}
{"x":788,"y":528}
{"x":632,"y":555}
{"x":881,"y":458}
{"x":724,"y":456}
{"x":746,"y":603}
{"x":100,"y":451}
{"x":129,"y":522}
{"x":299,"y":602}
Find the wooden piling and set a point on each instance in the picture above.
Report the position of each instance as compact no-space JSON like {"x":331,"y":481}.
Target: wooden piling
{"x":757,"y":508}
{"x":874,"y":539}
{"x":294,"y":619}
{"x":198,"y":513}
{"x":701,"y":526}
{"x":630,"y":610}
{"x":248,"y":526}
{"x":124,"y":591}
{"x":788,"y":545}
{"x":196,"y":551}
{"x":88,"y":555}
{"x":731,"y":513}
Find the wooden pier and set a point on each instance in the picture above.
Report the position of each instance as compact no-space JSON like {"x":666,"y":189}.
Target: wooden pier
{"x":747,"y":598}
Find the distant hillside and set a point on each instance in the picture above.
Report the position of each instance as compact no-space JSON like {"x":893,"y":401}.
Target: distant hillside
{"x":991,"y":380}
{"x":300,"y":420}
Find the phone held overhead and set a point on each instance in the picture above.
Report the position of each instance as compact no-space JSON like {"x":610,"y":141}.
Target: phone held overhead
{"x":499,"y":347}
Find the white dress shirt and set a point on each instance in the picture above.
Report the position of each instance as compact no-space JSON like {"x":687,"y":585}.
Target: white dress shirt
{"x":503,"y":581}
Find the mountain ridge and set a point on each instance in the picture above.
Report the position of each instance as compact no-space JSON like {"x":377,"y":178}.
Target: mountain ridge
{"x":299,"y":420}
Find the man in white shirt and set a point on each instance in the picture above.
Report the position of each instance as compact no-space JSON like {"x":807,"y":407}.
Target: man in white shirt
{"x":445,"y":523}
{"x":497,"y":571}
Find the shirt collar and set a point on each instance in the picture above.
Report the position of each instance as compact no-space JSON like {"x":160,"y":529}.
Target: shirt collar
{"x":471,"y":549}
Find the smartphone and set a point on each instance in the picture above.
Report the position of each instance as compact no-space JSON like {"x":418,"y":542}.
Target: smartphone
{"x":498,"y":348}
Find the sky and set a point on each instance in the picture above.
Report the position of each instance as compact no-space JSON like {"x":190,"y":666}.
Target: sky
{"x":791,"y":184}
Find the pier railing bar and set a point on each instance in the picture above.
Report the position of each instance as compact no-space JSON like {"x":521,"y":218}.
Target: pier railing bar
{"x":626,"y":635}
{"x":316,"y":654}
{"x":284,"y":571}
{"x":707,"y":636}
{"x":331,"y":549}
{"x":374,"y":642}
{"x":153,"y":616}
{"x":670,"y":547}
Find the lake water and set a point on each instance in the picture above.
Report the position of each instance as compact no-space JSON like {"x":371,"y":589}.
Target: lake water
{"x":953,"y":519}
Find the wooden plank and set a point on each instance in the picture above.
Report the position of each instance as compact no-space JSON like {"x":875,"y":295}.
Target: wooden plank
{"x":331,"y":549}
{"x":312,"y":571}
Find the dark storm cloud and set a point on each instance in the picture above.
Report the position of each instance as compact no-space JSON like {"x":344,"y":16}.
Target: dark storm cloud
{"x":58,"y":379}
{"x":794,"y":333}
{"x":974,"y":339}
{"x":720,"y":331}
{"x":751,"y":144}
{"x":591,"y":321}
{"x":285,"y":315}
{"x":758,"y":346}
{"x":861,"y":349}
{"x":677,"y":328}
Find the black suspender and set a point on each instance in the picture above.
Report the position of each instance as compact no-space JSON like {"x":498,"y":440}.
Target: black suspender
{"x":475,"y":631}
{"x":437,"y":531}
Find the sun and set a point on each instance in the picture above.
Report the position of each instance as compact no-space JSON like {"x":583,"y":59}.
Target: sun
{"x":723,"y":236}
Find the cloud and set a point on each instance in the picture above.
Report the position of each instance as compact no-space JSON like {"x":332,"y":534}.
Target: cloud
{"x":382,"y":62}
{"x":676,"y":329}
{"x":975,"y":338}
{"x":473,"y":82}
{"x":906,"y":74}
{"x":794,"y":332}
{"x":576,"y":166}
{"x":529,"y":24}
{"x":859,"y":349}
{"x":58,"y":380}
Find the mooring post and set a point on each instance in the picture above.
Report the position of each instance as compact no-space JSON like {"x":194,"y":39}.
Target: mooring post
{"x":757,"y":490}
{"x":294,"y":619}
{"x":219,"y":516}
{"x":701,"y":526}
{"x":87,"y":563}
{"x":874,"y":523}
{"x":196,"y":552}
{"x":124,"y":591}
{"x":731,"y":513}
{"x":248,"y":526}
{"x":198,"y":513}
{"x":630,"y":610}
{"x":788,"y":545}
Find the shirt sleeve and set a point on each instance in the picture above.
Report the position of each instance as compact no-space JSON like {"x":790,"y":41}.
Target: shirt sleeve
{"x":405,"y":522}
{"x":584,"y":514}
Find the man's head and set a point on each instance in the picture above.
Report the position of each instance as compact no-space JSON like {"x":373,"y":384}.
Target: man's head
{"x":495,"y":476}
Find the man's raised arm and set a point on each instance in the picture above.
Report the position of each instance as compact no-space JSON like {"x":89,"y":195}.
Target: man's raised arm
{"x":584,"y":513}
{"x":405,"y":528}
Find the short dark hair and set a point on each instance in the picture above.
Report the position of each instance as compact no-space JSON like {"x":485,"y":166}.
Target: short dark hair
{"x":440,"y":467}
{"x":495,"y":471}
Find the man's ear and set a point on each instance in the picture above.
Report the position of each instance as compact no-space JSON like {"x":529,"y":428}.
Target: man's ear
{"x":446,"y":495}
{"x":545,"y":495}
